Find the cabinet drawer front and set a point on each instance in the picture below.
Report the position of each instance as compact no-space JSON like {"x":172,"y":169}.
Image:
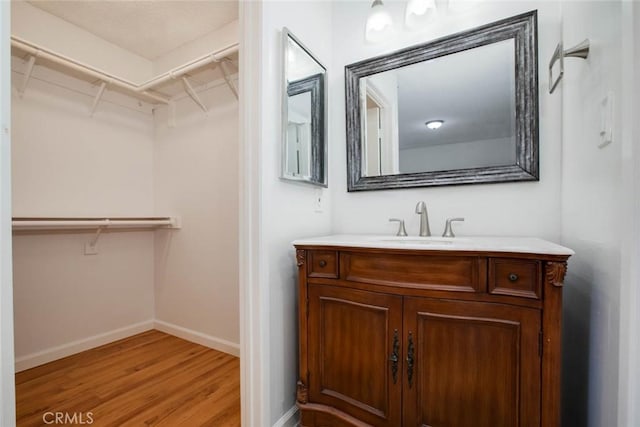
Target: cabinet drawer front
{"x":323,"y":264}
{"x":444,"y":273}
{"x":520,"y":278}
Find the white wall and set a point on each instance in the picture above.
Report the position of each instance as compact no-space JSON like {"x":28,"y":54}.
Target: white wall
{"x":288,"y":209}
{"x":66,"y":163}
{"x":49,"y":31}
{"x":497,"y":209}
{"x":629,"y":394}
{"x":217,"y":39}
{"x":196,"y":268}
{"x":492,"y":152}
{"x":593,"y":199}
{"x":7,"y":382}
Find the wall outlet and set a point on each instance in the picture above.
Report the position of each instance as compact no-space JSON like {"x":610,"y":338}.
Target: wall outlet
{"x":318,"y":200}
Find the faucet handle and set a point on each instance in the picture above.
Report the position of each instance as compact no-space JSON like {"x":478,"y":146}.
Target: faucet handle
{"x":401,"y":230}
{"x":448,"y":231}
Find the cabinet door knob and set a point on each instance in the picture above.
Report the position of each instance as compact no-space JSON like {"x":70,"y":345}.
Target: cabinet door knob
{"x":323,"y":263}
{"x":513,"y":277}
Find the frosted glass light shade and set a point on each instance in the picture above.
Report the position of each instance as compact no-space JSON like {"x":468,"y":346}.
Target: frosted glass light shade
{"x":379,"y":23}
{"x":419,"y":12}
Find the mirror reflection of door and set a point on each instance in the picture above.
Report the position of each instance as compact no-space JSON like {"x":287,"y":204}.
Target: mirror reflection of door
{"x":380,"y":142}
{"x":298,"y":157}
{"x":374,"y":139}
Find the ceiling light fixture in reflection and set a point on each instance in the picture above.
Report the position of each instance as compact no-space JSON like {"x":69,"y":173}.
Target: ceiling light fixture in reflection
{"x":434,"y":124}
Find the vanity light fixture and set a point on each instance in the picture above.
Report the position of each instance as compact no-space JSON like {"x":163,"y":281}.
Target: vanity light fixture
{"x":379,"y":22}
{"x":434,"y":124}
{"x":419,"y":12}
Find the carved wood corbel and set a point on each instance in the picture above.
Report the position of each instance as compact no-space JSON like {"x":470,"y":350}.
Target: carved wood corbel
{"x":555,"y":272}
{"x":300,"y":256}
{"x":302,"y":394}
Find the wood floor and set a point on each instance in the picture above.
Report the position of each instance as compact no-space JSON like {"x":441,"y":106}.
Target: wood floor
{"x":151,"y":379}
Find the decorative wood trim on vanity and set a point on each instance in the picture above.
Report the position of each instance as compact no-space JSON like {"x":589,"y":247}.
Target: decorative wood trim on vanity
{"x":302,"y":393}
{"x":551,"y":342}
{"x":556,"y":272}
{"x":300,"y":257}
{"x":303,"y":316}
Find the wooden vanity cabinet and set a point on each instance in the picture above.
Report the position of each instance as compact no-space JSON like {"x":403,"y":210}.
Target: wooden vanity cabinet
{"x":428,"y":338}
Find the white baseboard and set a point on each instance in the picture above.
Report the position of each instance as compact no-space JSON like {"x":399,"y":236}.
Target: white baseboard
{"x":198,"y":337}
{"x":289,"y":419}
{"x":55,"y":353}
{"x":58,"y":352}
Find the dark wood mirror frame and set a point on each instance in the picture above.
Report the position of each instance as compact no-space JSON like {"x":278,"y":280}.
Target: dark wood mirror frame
{"x":523,"y":30}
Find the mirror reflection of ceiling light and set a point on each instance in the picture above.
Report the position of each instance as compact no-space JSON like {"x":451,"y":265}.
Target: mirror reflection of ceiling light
{"x":419,"y":12}
{"x":434,"y":124}
{"x":379,"y":22}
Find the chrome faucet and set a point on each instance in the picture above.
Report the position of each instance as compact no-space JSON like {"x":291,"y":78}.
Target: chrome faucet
{"x":401,"y":230}
{"x":421,"y":209}
{"x":448,"y":231}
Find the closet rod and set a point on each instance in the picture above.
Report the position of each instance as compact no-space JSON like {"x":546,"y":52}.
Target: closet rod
{"x":49,"y":55}
{"x":190,"y":66}
{"x":63,"y":223}
{"x":142,"y":89}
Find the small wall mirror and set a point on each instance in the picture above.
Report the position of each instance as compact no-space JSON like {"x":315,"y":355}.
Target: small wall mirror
{"x":459,"y":110}
{"x":304,"y":103}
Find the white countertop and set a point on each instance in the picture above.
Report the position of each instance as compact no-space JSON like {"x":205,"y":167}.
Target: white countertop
{"x":484,"y":244}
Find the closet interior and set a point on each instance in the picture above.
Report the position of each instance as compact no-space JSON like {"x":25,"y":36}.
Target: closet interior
{"x":125,"y":179}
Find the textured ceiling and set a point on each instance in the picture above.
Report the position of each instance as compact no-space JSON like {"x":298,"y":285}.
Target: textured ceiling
{"x":147,"y":28}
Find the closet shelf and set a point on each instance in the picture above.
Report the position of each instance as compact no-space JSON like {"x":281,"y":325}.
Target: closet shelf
{"x":144,"y":91}
{"x":44,"y":224}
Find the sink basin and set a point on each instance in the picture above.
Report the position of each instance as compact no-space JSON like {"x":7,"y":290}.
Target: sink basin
{"x":421,"y":240}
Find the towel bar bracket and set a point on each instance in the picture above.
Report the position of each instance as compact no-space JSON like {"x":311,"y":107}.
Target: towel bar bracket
{"x":581,"y":50}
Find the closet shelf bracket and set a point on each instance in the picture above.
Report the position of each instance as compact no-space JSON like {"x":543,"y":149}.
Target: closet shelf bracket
{"x":28,"y":72}
{"x":192,"y":93}
{"x":91,"y":248}
{"x":227,"y":76}
{"x":96,"y":100}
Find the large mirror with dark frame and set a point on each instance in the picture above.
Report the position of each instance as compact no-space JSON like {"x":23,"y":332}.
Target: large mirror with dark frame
{"x":304,"y":117}
{"x":462,"y":109}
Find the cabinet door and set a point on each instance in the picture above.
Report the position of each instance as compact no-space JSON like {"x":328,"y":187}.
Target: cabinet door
{"x":474,"y":364}
{"x":351,"y":342}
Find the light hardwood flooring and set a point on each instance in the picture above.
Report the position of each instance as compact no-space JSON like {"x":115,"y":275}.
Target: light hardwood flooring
{"x":150,"y":379}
